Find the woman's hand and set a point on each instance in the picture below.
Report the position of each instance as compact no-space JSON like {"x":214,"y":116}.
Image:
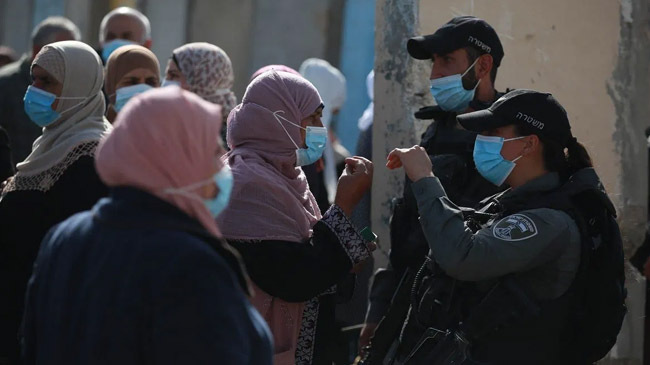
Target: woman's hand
{"x":415,"y":161}
{"x":355,"y":181}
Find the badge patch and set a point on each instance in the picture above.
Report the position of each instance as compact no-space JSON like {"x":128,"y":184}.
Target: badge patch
{"x":516,"y":227}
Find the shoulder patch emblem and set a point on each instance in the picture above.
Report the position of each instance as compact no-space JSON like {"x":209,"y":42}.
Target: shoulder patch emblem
{"x":515,"y":227}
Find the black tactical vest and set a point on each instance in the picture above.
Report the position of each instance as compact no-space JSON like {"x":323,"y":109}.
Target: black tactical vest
{"x":501,"y":321}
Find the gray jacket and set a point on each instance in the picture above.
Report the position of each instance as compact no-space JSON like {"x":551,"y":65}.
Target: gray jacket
{"x":541,"y":245}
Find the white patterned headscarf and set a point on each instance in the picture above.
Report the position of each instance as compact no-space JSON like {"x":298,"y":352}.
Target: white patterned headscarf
{"x":81,"y":125}
{"x":208,"y":72}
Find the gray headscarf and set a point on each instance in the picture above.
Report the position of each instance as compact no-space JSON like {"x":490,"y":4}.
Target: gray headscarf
{"x":82,"y":123}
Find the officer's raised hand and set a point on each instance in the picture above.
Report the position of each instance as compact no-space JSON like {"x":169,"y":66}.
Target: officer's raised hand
{"x":415,"y":161}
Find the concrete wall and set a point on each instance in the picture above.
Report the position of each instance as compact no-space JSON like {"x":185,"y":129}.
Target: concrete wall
{"x":168,"y":27}
{"x":220,"y":23}
{"x":16,"y":21}
{"x":302,"y":24}
{"x":593,"y":55}
{"x":254,"y":33}
{"x":400,"y":90}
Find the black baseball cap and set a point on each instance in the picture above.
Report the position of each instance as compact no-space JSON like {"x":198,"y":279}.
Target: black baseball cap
{"x":537,"y":110}
{"x":460,"y":32}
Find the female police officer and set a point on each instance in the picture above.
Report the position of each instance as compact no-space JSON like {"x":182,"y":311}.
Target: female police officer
{"x":532,"y":236}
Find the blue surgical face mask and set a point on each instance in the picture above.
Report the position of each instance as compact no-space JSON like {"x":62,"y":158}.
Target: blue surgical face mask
{"x":38,"y":106}
{"x":488,"y":160}
{"x":166,"y":83}
{"x":124,"y":94}
{"x":450,"y":94}
{"x":224,"y":181}
{"x":111,"y":46}
{"x":315,"y":139}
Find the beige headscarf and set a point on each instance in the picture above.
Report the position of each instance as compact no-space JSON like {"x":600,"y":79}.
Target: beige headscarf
{"x":208,"y":71}
{"x":124,"y":60}
{"x":81,"y":125}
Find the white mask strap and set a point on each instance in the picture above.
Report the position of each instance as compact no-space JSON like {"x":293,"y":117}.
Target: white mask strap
{"x":278,"y":117}
{"x":184,"y":190}
{"x":514,"y":138}
{"x":71,"y":97}
{"x":469,"y":68}
{"x":287,"y":120}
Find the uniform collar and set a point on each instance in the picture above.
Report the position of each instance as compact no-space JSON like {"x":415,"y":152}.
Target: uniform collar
{"x":546,"y":182}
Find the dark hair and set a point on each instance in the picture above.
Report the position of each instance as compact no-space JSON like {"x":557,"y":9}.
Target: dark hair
{"x":556,"y":159}
{"x":473,"y":54}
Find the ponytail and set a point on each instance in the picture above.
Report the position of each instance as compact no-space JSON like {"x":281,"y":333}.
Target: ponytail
{"x":556,"y":159}
{"x":577,"y":156}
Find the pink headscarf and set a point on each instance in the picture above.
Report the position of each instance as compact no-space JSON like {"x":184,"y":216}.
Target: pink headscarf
{"x":271,"y":198}
{"x":164,"y":138}
{"x":276,"y":68}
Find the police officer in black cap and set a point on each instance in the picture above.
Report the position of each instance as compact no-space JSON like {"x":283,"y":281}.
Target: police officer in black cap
{"x":535,"y":275}
{"x":466,"y":53}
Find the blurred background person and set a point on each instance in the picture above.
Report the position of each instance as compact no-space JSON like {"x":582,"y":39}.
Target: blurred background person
{"x":58,"y":178}
{"x":361,"y":215}
{"x":205,"y":70}
{"x":276,"y":68}
{"x":294,"y":254}
{"x":130,"y":70}
{"x":122,"y":26}
{"x":7,"y":55}
{"x":331,"y":86}
{"x":15,"y":78}
{"x":144,"y":276}
{"x":353,"y":313}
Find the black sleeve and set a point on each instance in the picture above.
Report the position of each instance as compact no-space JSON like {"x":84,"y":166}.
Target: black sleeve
{"x":6,"y":160}
{"x":297,"y":272}
{"x":78,"y":189}
{"x":408,"y":246}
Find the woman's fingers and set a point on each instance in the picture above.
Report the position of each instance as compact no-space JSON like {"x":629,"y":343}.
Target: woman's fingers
{"x":358,"y":165}
{"x":371,"y":246}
